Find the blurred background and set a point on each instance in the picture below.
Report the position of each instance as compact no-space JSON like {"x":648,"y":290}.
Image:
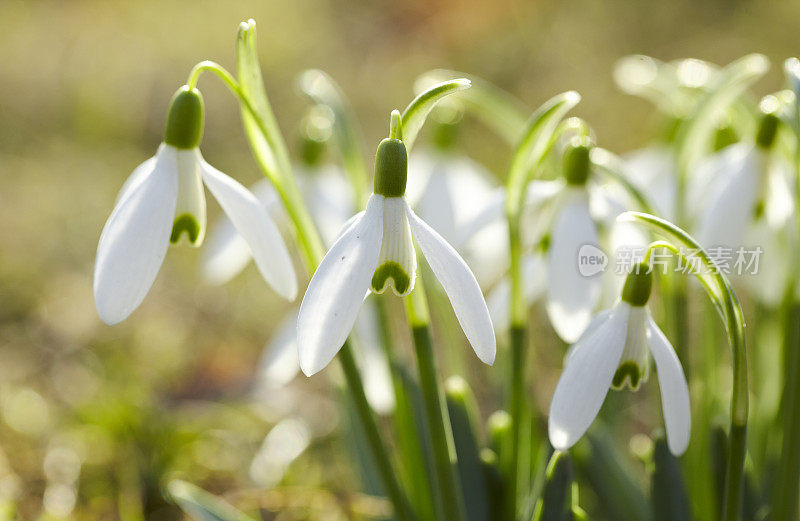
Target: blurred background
{"x":94,"y":418}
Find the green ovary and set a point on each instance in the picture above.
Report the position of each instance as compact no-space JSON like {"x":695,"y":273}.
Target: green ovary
{"x":628,"y":374}
{"x":185,"y":223}
{"x":390,"y":270}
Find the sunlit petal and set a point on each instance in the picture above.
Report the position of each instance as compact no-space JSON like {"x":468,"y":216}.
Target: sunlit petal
{"x":461,"y":287}
{"x":279,"y":363}
{"x":572,"y":297}
{"x":583,"y":386}
{"x":336,"y":291}
{"x":674,"y":391}
{"x":134,"y":242}
{"x":256,"y":227}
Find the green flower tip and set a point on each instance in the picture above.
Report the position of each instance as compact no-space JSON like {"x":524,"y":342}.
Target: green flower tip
{"x":185,"y":223}
{"x":638,"y":285}
{"x":628,"y":374}
{"x":185,"y":119}
{"x":576,"y":161}
{"x":768,"y":126}
{"x":457,"y":388}
{"x":315,"y":132}
{"x":391,"y":270}
{"x":391,"y":168}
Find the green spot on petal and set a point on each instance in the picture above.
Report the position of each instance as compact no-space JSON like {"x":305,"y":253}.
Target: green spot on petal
{"x":628,"y":374}
{"x":391,"y":270}
{"x":185,"y":223}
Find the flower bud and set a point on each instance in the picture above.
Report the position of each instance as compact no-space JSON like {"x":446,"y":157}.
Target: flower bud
{"x":638,"y":285}
{"x":767,"y":129}
{"x":576,"y":161}
{"x":391,"y":168}
{"x":185,"y":119}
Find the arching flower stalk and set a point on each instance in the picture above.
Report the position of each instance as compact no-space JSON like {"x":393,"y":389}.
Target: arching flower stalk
{"x":719,"y":291}
{"x":162,"y":201}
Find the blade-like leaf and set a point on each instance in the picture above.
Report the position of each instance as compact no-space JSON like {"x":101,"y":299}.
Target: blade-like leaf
{"x":261,"y":129}
{"x":496,"y":108}
{"x":202,"y":505}
{"x":463,"y":418}
{"x":556,"y":501}
{"x":417,"y":111}
{"x":667,"y":488}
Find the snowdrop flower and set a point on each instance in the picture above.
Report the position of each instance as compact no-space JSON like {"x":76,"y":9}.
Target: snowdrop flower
{"x":748,"y":204}
{"x":614,"y":352}
{"x":162,"y":201}
{"x":376,"y":252}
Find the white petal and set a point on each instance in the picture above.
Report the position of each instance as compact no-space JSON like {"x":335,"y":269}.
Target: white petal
{"x":674,"y":391}
{"x":134,"y":242}
{"x":191,"y":203}
{"x":254,"y":224}
{"x":728,"y":207}
{"x":597,"y":321}
{"x":572,"y":297}
{"x":279,"y":363}
{"x":461,"y":287}
{"x":397,"y":251}
{"x":226,"y":253}
{"x":583,"y":386}
{"x":138,"y":175}
{"x":337,"y":289}
{"x":372,"y":362}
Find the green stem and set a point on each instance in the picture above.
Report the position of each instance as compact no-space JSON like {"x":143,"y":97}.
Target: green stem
{"x":788,"y":473}
{"x":444,"y":452}
{"x":314,"y":251}
{"x":518,"y":410}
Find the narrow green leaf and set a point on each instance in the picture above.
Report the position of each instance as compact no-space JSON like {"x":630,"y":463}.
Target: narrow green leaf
{"x":321,"y":88}
{"x":667,"y":490}
{"x":463,"y":418}
{"x":615,"y":485}
{"x":417,"y":111}
{"x":496,"y":108}
{"x":202,"y":505}
{"x":535,"y":141}
{"x":556,"y":501}
{"x":416,"y":455}
{"x":262,"y":131}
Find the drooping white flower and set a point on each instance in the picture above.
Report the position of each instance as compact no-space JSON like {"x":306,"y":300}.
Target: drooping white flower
{"x":376,"y":251}
{"x":163,"y":200}
{"x":748,"y":205}
{"x":614,"y":352}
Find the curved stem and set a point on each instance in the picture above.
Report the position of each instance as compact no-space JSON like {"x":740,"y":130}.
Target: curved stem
{"x":444,"y":452}
{"x":719,"y":290}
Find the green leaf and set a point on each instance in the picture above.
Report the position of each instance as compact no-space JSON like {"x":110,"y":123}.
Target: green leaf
{"x":667,"y":490}
{"x":535,"y":141}
{"x":414,"y":447}
{"x":261,"y":129}
{"x":417,"y":111}
{"x":202,"y":505}
{"x":496,"y":108}
{"x":556,"y":501}
{"x":615,"y":485}
{"x":463,"y":417}
{"x":321,"y":88}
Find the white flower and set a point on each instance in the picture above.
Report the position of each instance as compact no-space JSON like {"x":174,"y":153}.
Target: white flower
{"x":614,"y":351}
{"x":328,"y":197}
{"x":376,"y":251}
{"x":748,"y":204}
{"x":162,"y":200}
